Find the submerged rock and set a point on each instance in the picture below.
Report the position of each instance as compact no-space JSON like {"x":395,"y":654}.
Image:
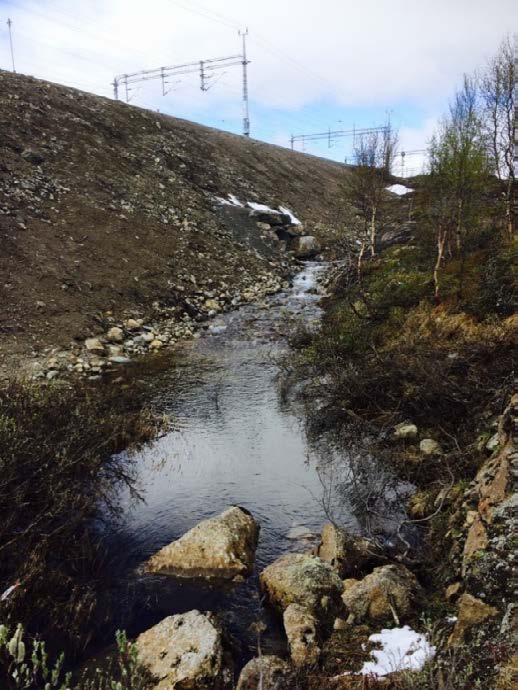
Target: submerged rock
{"x":301,"y":628}
{"x":303,"y":579}
{"x":265,"y":673}
{"x":185,"y":652}
{"x":390,"y":592}
{"x":222,"y":547}
{"x":346,"y":554}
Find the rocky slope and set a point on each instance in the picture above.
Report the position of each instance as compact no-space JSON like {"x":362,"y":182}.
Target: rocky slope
{"x":108,"y":211}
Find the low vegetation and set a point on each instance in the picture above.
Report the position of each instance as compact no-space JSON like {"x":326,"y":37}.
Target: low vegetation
{"x":59,"y":474}
{"x":25,"y":663}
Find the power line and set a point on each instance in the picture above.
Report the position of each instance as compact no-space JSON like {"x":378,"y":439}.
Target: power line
{"x":205,"y":68}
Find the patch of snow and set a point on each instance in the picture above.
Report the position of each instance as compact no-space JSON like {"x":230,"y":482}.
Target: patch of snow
{"x":399,"y":189}
{"x":260,"y":207}
{"x":293,"y":218}
{"x":451,"y":619}
{"x":231,"y":201}
{"x":401,"y":649}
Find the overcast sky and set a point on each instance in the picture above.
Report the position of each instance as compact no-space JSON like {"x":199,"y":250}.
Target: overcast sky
{"x":314,"y":64}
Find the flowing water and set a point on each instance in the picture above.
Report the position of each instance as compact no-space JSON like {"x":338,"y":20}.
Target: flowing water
{"x":235,"y":442}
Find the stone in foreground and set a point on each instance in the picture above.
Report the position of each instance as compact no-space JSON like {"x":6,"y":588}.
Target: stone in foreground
{"x":390,"y":592}
{"x":185,"y":652}
{"x":302,"y":632}
{"x":303,"y":579}
{"x":222,"y":547}
{"x":265,"y":673}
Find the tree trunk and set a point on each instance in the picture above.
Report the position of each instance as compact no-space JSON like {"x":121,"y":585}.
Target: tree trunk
{"x":373,"y":232}
{"x":509,"y":203}
{"x":458,"y":232}
{"x":441,"y":240}
{"x":360,"y":258}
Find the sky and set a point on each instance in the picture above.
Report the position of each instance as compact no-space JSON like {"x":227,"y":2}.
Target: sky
{"x":314,"y":66}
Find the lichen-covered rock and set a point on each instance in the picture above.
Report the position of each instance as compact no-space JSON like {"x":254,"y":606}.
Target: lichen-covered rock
{"x":222,"y":547}
{"x":390,"y":592}
{"x":303,"y":579}
{"x":94,"y":345}
{"x":472,"y":612}
{"x":428,"y":446}
{"x":301,"y":628}
{"x":266,"y":673}
{"x":404,"y":430}
{"x":115,"y":335}
{"x":346,"y":554}
{"x":185,"y":652}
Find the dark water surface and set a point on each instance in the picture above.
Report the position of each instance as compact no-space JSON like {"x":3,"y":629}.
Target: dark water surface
{"x":235,"y":442}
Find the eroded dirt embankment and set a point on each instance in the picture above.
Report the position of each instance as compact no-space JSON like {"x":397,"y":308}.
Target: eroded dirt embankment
{"x":108,"y":211}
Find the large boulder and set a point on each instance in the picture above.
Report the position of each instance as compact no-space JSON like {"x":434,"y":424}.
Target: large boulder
{"x":222,"y":547}
{"x":390,"y":592}
{"x":271,"y":217}
{"x":302,"y":631}
{"x":265,"y":673}
{"x":303,"y":579}
{"x":305,"y":247}
{"x":185,"y":652}
{"x":346,"y":554}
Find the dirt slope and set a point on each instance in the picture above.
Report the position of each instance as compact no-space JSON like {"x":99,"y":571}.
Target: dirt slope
{"x":107,"y":207}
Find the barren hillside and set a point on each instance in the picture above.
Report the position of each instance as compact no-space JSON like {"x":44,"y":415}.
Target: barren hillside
{"x":106,"y":207}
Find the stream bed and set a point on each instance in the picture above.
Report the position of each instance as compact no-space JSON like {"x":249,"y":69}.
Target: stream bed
{"x":235,"y":441}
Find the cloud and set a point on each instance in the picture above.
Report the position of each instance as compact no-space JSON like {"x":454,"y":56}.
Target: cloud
{"x":373,"y":53}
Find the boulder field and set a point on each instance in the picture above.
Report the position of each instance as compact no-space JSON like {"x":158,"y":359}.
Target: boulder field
{"x":191,"y":651}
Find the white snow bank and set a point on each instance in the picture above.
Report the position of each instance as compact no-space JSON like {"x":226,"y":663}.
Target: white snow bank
{"x":399,"y":189}
{"x":293,"y":218}
{"x":282,"y":209}
{"x":255,"y":206}
{"x":261,"y":207}
{"x":401,"y":649}
{"x":231,"y":201}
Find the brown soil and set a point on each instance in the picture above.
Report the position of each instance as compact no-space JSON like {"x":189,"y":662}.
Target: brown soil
{"x":106,"y":207}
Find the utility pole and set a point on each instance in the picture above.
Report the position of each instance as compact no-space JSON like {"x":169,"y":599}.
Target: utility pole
{"x":203,"y":85}
{"x":9,"y":24}
{"x":246,"y":112}
{"x":115,"y":85}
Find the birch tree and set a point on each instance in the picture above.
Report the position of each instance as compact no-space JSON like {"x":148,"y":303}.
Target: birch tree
{"x":497,"y":86}
{"x":459,"y":170}
{"x":373,"y":154}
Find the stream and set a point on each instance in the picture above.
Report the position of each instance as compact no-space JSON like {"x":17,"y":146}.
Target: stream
{"x":235,"y":442}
